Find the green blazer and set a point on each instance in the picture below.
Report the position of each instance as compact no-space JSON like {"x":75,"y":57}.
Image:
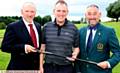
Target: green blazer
{"x":105,"y":40}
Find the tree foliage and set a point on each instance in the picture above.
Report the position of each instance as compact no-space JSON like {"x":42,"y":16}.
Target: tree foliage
{"x":113,"y":10}
{"x":46,"y":19}
{"x":5,"y":20}
{"x":38,"y":19}
{"x":8,"y":19}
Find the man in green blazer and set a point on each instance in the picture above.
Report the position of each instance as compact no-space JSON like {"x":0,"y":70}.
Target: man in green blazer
{"x":96,"y":42}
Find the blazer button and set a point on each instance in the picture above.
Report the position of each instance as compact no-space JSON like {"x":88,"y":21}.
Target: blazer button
{"x":87,"y":58}
{"x":87,"y":65}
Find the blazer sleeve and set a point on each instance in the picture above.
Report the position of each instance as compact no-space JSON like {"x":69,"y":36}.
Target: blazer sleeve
{"x":114,"y":47}
{"x":9,"y":43}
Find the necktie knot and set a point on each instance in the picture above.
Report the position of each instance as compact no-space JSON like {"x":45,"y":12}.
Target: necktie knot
{"x":93,"y":28}
{"x":30,"y":25}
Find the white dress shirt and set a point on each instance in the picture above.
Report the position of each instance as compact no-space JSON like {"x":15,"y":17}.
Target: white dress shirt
{"x":35,"y":29}
{"x":93,"y":34}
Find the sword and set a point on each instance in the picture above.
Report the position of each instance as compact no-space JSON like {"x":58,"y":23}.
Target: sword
{"x":82,"y":60}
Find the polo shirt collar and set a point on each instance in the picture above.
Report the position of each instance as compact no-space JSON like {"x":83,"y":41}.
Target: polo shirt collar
{"x":65,"y":23}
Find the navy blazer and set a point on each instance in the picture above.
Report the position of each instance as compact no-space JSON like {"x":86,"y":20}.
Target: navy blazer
{"x":15,"y":38}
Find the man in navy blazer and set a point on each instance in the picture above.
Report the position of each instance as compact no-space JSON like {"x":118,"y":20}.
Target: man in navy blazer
{"x":18,"y":41}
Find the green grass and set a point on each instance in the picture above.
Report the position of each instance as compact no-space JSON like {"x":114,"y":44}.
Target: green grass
{"x":1,"y":35}
{"x":4,"y":57}
{"x":1,"y":32}
{"x":4,"y":60}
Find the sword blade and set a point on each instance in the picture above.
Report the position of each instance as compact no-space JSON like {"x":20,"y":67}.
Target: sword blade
{"x":50,"y":53}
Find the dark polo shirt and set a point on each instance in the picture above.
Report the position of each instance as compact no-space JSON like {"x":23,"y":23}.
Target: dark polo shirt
{"x":60,"y":40}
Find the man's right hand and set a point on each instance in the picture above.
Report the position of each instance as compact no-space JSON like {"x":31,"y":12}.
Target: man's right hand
{"x":41,"y":70}
{"x":29,"y":48}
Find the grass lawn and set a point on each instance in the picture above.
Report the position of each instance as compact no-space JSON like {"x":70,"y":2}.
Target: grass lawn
{"x":4,"y":60}
{"x":1,"y":35}
{"x":4,"y":57}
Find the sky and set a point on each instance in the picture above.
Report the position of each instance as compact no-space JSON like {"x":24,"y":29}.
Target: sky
{"x":45,"y":7}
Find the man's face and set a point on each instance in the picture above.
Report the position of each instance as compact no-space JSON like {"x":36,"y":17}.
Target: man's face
{"x":28,"y":13}
{"x":60,"y":12}
{"x":92,"y":15}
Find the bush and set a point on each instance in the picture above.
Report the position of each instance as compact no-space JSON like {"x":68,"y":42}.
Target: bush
{"x":2,"y":25}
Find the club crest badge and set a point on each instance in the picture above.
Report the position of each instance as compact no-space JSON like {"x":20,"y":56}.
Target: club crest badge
{"x":100,"y":47}
{"x":99,"y":33}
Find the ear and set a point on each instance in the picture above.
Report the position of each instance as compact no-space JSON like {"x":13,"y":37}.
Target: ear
{"x":53,"y":12}
{"x":67,"y":11}
{"x":85,"y":14}
{"x":21,"y":11}
{"x":100,"y":14}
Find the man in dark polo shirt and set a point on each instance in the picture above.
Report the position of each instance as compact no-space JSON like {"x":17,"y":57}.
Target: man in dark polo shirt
{"x":59,"y":37}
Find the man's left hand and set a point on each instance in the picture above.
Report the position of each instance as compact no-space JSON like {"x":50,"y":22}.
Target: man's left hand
{"x":103,"y":65}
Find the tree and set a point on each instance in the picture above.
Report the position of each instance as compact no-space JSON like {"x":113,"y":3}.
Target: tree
{"x":38,"y":19}
{"x":113,"y":10}
{"x":76,"y":22}
{"x":46,"y":19}
{"x":8,"y":19}
{"x":83,"y":20}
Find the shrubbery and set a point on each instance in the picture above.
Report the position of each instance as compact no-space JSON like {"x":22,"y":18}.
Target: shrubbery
{"x":2,"y":25}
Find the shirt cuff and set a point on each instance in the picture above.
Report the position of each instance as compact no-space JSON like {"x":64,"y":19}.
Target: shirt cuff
{"x":109,"y":66}
{"x":26,"y":50}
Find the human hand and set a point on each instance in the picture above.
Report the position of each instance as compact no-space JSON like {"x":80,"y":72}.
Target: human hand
{"x":29,"y":48}
{"x":41,"y":70}
{"x":73,"y":58}
{"x":70,"y":59}
{"x":103,"y":65}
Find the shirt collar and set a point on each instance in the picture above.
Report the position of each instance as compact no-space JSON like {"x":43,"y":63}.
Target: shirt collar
{"x":65,"y":23}
{"x":26,"y":23}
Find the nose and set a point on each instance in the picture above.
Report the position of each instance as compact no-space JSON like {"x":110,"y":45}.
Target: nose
{"x":92,"y":16}
{"x":61,"y":13}
{"x":29,"y":13}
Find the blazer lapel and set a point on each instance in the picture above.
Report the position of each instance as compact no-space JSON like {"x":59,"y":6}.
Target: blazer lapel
{"x":38,"y":28}
{"x":96,"y":37}
{"x":84,"y":38}
{"x":25,"y":32}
